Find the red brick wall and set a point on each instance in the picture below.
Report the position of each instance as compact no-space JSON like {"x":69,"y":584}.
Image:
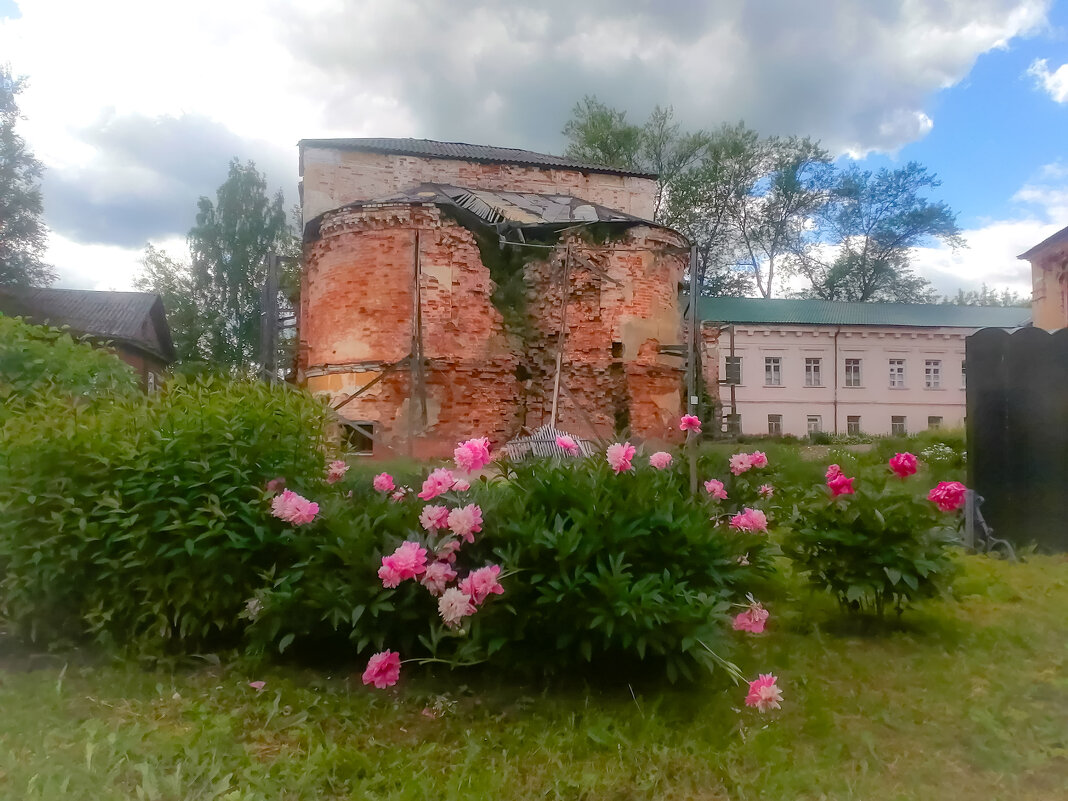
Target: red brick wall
{"x":357,"y":303}
{"x":334,"y":177}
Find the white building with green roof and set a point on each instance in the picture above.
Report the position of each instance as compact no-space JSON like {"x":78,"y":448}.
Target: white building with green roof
{"x":805,"y":366}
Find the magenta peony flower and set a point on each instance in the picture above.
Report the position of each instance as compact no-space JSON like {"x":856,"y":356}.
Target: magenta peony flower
{"x":438,"y":574}
{"x":461,"y":485}
{"x":752,"y":520}
{"x":383,"y":669}
{"x":840,"y":485}
{"x":384,"y":483}
{"x":832,"y":471}
{"x":948,"y":495}
{"x":567,"y":444}
{"x":482,"y":583}
{"x":433,"y":518}
{"x":620,"y":455}
{"x":690,"y":422}
{"x":766,"y":490}
{"x":758,"y":459}
{"x":473,"y":454}
{"x":408,"y":561}
{"x":466,"y":521}
{"x":741,"y":463}
{"x":752,"y":619}
{"x":335,"y":471}
{"x":454,"y":605}
{"x":293,"y":508}
{"x":904,"y":464}
{"x":660,"y":460}
{"x":715,"y":488}
{"x":764,"y":694}
{"x":257,"y":685}
{"x":438,"y":482}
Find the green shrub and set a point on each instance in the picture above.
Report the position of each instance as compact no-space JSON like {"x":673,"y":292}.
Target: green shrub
{"x":880,"y":548}
{"x":144,"y":520}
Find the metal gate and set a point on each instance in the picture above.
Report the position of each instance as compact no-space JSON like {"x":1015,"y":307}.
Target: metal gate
{"x":1017,"y":423}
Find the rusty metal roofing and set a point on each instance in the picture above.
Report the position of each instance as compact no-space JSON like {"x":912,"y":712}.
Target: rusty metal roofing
{"x":430,"y":148}
{"x":514,"y":209}
{"x":1059,"y":238}
{"x":136,"y":318}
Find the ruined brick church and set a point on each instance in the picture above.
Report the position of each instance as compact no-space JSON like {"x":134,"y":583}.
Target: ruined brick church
{"x":453,"y":290}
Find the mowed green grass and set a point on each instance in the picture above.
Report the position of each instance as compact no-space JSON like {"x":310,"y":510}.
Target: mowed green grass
{"x":968,"y":700}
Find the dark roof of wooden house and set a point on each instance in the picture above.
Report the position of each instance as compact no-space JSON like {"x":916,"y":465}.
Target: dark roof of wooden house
{"x":134,"y":319}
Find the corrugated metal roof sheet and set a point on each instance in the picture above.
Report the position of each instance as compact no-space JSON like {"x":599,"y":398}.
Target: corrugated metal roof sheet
{"x":830,"y":312}
{"x":431,"y":148}
{"x":512,"y":209}
{"x":125,"y":316}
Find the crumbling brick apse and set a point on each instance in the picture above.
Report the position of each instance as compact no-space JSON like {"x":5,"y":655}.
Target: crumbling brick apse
{"x":411,"y":274}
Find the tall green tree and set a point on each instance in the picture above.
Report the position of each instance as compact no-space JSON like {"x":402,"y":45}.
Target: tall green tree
{"x":228,"y":246}
{"x":22,"y":231}
{"x":214,"y":300}
{"x":987,"y":296}
{"x":862,"y":247}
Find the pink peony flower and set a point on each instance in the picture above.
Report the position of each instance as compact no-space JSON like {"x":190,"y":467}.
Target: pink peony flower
{"x":399,"y":495}
{"x":948,"y":495}
{"x":257,"y":685}
{"x":335,"y":471}
{"x":446,"y":552}
{"x":764,"y":694}
{"x":454,"y":605}
{"x":276,"y":484}
{"x":752,"y":520}
{"x":482,"y":583}
{"x":473,"y":454}
{"x":408,"y":561}
{"x":384,"y":483}
{"x":660,"y":460}
{"x":466,"y":521}
{"x":567,"y":445}
{"x":433,"y":518}
{"x":832,"y":471}
{"x":690,"y":422}
{"x":619,"y":456}
{"x":461,"y":485}
{"x":741,"y":463}
{"x":766,"y":490}
{"x":438,"y":482}
{"x":752,"y":619}
{"x":904,"y":464}
{"x":293,"y":508}
{"x":438,"y":574}
{"x":383,"y":669}
{"x":715,"y":488}
{"x":758,"y":459}
{"x":840,"y":485}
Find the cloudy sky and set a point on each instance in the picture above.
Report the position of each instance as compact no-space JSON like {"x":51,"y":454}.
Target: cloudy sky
{"x":136,"y":106}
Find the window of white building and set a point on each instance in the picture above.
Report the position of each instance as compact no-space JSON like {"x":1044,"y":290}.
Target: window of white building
{"x":853,"y":424}
{"x":897,"y":426}
{"x":732,"y":369}
{"x":934,"y":423}
{"x":812,"y":373}
{"x":773,"y":371}
{"x":897,"y":373}
{"x":775,"y":425}
{"x":815,"y":424}
{"x":932,"y":374}
{"x":852,"y":372}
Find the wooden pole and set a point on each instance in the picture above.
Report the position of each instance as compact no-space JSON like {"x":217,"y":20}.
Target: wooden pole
{"x":565,"y":288}
{"x":691,"y":371}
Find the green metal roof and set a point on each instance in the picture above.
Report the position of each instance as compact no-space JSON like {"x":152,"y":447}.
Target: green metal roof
{"x":831,"y":312}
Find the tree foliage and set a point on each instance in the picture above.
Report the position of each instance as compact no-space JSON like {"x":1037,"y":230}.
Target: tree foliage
{"x":987,"y":296}
{"x":22,"y":232}
{"x":214,"y":300}
{"x":757,"y":208}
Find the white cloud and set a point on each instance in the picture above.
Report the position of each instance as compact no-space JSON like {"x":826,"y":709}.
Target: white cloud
{"x":1055,"y":83}
{"x":95,"y":266}
{"x":993,"y":248}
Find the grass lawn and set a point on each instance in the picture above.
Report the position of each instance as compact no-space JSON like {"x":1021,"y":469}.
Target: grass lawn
{"x":969,"y":701}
